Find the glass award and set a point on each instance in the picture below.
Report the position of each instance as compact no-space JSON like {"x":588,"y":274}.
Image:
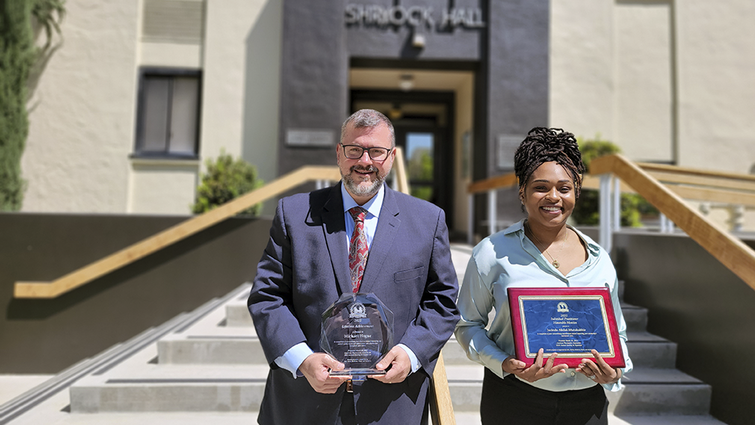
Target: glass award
{"x":567,"y":321}
{"x":357,"y":330}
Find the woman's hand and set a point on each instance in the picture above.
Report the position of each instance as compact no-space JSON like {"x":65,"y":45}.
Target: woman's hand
{"x":598,"y":370}
{"x":535,"y":372}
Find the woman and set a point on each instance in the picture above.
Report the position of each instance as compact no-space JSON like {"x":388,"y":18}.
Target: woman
{"x":539,"y":251}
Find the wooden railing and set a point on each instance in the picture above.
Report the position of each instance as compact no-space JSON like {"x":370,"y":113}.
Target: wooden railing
{"x":693,"y":184}
{"x":729,"y":250}
{"x":441,"y":405}
{"x":680,"y":183}
{"x":172,"y":235}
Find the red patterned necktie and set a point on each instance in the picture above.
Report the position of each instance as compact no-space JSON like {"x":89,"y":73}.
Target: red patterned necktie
{"x":358,"y":250}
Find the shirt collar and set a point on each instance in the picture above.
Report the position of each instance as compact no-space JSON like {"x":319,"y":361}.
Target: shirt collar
{"x":372,"y":206}
{"x":592,"y":248}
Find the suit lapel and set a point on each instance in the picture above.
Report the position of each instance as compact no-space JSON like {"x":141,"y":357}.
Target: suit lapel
{"x":382,"y":243}
{"x":334,"y":229}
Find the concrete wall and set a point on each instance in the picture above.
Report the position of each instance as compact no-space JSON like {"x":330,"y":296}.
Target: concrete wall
{"x":696,"y":302}
{"x":47,"y":336}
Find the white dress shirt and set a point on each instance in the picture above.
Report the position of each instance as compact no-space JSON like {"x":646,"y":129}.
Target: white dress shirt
{"x":293,"y":358}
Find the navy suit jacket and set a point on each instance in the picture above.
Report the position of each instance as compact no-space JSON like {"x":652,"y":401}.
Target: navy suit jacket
{"x":304,"y":269}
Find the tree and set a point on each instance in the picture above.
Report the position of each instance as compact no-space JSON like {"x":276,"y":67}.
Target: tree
{"x":18,"y":55}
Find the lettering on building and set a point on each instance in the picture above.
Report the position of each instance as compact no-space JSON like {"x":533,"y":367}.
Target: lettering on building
{"x":414,"y":16}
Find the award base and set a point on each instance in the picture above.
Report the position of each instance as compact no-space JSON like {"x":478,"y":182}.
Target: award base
{"x":357,"y":374}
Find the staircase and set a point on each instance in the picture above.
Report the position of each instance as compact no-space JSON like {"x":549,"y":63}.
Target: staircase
{"x":207,"y":366}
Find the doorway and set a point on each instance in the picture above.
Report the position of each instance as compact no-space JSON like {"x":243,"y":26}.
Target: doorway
{"x":423,"y":123}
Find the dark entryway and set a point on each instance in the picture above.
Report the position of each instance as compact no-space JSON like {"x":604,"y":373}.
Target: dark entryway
{"x":423,"y":122}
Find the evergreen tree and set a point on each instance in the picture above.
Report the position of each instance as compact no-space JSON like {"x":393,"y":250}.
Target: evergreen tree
{"x":16,"y":60}
{"x":17,"y":57}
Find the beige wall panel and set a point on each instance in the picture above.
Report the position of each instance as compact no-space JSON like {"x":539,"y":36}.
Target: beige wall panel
{"x":170,"y":55}
{"x":463,"y":150}
{"x":716,"y":84}
{"x":82,"y":113}
{"x":241,"y":81}
{"x":163,"y":187}
{"x":644,"y":85}
{"x":581,"y":67}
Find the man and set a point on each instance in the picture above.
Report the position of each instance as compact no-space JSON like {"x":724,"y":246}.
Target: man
{"x":306,"y":267}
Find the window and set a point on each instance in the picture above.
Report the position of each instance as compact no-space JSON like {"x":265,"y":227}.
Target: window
{"x":168,"y":114}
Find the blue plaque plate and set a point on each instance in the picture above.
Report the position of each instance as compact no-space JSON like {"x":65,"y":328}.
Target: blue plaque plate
{"x":567,"y":321}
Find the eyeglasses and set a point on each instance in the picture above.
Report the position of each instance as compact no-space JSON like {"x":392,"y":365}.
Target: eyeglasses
{"x":356,"y":152}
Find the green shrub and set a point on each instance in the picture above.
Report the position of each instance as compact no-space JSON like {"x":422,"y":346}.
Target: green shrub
{"x":225,"y":180}
{"x":587,"y":210}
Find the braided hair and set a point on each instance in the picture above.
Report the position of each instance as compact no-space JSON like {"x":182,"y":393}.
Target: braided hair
{"x":545,"y":145}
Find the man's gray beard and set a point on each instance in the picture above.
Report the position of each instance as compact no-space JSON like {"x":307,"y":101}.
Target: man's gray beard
{"x":358,"y":190}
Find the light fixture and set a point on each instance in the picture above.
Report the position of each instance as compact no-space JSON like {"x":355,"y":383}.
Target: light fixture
{"x":406,"y":82}
{"x":395,"y":112}
{"x":418,"y":40}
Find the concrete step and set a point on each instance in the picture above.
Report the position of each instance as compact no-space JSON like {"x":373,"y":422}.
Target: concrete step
{"x":636,"y":317}
{"x":651,"y":351}
{"x":661,"y":392}
{"x":465,"y":386}
{"x":237,"y":314}
{"x":646,"y":392}
{"x":226,"y":388}
{"x":210,"y":349}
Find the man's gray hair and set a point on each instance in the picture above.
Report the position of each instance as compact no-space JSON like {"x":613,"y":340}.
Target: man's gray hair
{"x":368,"y":118}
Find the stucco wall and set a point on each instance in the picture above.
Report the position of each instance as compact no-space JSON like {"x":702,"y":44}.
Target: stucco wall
{"x":239,"y":59}
{"x":82,"y":112}
{"x":667,"y":81}
{"x":643,"y":67}
{"x":612,"y":74}
{"x":581,"y":67}
{"x":716,"y":56}
{"x":261,"y":88}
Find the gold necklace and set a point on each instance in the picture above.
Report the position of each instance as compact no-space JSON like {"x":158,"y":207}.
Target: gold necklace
{"x":545,"y":251}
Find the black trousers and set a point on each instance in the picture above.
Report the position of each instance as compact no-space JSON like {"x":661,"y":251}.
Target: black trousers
{"x":510,"y":401}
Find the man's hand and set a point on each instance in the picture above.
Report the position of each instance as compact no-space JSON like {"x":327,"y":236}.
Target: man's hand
{"x":535,"y":372}
{"x":400,"y":365}
{"x":316,"y":368}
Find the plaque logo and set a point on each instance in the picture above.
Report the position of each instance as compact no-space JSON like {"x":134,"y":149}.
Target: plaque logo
{"x":562,"y":307}
{"x":357,"y":311}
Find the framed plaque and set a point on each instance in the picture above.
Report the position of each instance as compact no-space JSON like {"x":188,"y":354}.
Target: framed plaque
{"x":567,"y":321}
{"x":357,"y":330}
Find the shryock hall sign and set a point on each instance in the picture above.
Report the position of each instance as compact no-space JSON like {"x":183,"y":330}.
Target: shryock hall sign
{"x":414,"y":16}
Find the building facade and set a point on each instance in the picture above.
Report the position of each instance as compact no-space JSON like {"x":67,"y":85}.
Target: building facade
{"x":139,"y":93}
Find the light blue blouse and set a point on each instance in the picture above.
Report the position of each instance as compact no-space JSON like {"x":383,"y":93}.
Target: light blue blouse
{"x":509,"y":259}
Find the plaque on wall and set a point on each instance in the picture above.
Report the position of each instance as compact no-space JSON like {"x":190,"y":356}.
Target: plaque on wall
{"x":506,"y":148}
{"x":310,"y":138}
{"x":357,"y":330}
{"x":567,"y":321}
